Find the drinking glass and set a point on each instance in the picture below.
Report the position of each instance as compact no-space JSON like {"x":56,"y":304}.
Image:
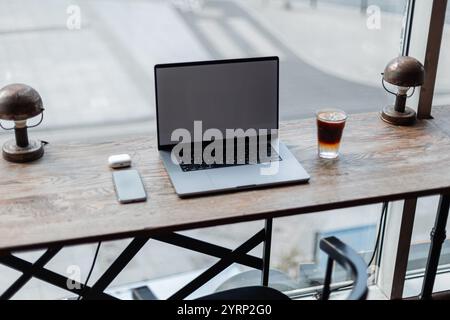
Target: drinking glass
{"x":330,"y":125}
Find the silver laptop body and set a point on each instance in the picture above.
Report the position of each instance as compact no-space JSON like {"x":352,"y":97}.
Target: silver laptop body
{"x":222,"y":95}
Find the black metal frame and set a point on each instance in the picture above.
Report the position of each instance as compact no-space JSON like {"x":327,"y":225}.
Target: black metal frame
{"x":30,"y":270}
{"x":227,"y":258}
{"x":408,"y":26}
{"x":437,"y":236}
{"x":25,"y":277}
{"x":349,"y":259}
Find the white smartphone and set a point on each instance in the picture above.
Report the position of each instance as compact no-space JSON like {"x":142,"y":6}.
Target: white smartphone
{"x":129,"y":186}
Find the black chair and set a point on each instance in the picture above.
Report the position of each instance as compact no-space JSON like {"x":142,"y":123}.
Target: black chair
{"x":337,"y":251}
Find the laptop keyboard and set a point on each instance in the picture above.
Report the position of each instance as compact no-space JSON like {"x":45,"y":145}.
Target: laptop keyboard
{"x":244,"y":159}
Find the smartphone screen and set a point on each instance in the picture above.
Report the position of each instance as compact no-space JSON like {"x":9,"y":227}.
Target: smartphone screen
{"x":129,"y":187}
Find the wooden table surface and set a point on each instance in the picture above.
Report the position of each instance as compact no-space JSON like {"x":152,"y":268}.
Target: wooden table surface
{"x":68,"y":197}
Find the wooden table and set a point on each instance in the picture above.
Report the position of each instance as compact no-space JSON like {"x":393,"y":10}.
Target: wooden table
{"x":67,"y":197}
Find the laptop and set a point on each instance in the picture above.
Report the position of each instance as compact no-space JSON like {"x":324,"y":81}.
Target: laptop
{"x":217,"y":126}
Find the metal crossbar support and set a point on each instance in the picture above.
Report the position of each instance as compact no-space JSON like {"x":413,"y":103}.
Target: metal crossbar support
{"x":266,"y":252}
{"x":327,"y":281}
{"x":210,"y":249}
{"x":116,"y":267}
{"x":219,"y":266}
{"x":25,"y":277}
{"x":438,"y":237}
{"x":228,"y":257}
{"x":46,"y":275}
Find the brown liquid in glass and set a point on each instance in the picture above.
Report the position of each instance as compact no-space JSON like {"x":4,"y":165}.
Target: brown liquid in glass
{"x":330,"y":133}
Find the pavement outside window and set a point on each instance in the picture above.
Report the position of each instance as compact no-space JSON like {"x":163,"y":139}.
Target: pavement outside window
{"x":96,"y":82}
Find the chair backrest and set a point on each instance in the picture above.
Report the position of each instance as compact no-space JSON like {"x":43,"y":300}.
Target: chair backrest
{"x":349,"y":259}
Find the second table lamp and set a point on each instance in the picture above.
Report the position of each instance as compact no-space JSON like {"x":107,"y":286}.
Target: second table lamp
{"x":405,"y":73}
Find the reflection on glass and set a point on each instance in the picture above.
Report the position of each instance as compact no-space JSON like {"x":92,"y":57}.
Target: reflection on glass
{"x":442,"y":91}
{"x":95,"y":76}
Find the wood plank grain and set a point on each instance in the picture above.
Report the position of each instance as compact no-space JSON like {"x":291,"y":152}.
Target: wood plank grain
{"x":68,"y":195}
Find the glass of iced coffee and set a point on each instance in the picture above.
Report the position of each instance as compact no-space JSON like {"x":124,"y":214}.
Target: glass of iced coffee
{"x":330,"y":125}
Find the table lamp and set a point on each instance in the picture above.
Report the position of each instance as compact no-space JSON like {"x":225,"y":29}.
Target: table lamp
{"x":19,"y":102}
{"x":405,"y":73}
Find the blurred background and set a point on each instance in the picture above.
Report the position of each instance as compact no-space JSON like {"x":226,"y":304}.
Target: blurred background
{"x":92,"y":62}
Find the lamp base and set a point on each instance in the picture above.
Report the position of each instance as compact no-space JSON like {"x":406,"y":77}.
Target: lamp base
{"x":14,"y":153}
{"x":391,"y":116}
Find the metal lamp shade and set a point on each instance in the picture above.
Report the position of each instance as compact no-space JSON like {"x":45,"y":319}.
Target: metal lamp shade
{"x":19,"y":102}
{"x":405,"y":73}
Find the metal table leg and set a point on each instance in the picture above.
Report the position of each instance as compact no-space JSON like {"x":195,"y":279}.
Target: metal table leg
{"x":438,"y":236}
{"x":266,"y":252}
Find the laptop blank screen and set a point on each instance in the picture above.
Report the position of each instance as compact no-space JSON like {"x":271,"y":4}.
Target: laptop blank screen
{"x":223,"y":95}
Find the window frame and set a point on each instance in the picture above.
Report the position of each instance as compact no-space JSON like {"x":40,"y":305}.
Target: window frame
{"x":423,"y":37}
{"x":428,"y":17}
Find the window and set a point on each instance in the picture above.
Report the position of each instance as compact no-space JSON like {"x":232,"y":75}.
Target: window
{"x":92,"y":61}
{"x":419,"y":250}
{"x":442,"y":92}
{"x":427,"y":207}
{"x":295,"y":250}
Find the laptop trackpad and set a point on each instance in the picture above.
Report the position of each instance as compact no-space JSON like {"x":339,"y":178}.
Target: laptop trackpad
{"x":239,"y":176}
